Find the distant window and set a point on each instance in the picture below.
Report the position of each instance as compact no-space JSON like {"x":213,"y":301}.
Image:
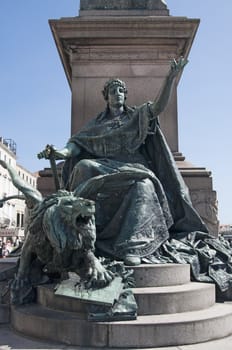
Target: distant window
{"x":18,"y":220}
{"x":22,"y":220}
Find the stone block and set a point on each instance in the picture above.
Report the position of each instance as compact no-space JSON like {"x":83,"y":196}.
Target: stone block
{"x":159,"y":275}
{"x":205,"y":203}
{"x":123,"y":8}
{"x":174,"y":299}
{"x":122,"y":5}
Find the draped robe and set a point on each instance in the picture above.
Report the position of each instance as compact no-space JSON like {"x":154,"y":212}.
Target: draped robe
{"x":127,"y":168}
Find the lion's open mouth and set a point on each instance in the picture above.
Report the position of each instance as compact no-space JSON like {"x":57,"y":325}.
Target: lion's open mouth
{"x":82,"y":220}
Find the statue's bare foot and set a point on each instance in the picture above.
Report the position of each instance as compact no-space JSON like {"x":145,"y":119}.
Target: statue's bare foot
{"x":132,"y":260}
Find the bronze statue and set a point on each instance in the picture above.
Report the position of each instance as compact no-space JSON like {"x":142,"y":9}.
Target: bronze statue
{"x":123,"y":198}
{"x":122,"y":162}
{"x":60,"y":238}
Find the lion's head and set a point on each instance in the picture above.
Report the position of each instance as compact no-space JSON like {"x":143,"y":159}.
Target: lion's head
{"x":70,"y":222}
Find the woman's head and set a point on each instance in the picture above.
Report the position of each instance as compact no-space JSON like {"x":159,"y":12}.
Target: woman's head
{"x":111,"y":84}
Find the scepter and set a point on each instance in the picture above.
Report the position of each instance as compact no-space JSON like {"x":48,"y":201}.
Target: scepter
{"x":51,"y":156}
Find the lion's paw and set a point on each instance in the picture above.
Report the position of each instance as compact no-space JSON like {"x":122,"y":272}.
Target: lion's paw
{"x":98,"y":275}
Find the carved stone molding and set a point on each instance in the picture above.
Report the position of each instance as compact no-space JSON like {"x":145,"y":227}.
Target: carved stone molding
{"x":157,"y":53}
{"x":122,"y":38}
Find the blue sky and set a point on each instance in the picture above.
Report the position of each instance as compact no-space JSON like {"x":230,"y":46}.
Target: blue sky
{"x":36,"y":99}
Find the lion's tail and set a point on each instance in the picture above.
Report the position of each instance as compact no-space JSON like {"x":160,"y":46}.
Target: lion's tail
{"x":28,"y":191}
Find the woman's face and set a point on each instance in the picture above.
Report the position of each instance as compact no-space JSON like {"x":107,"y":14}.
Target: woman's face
{"x":116,"y":96}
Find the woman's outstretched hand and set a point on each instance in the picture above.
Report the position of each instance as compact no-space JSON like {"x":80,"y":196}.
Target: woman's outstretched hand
{"x":177,"y":66}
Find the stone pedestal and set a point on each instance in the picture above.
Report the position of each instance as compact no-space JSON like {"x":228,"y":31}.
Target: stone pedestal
{"x":137,"y":49}
{"x":136,"y":44}
{"x":204,"y":198}
{"x":172,"y":311}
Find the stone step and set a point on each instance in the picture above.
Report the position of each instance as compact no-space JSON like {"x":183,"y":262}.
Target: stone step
{"x":147,"y":331}
{"x":146,"y":275}
{"x":174,"y":299}
{"x":174,"y":329}
{"x":47,"y":298}
{"x":151,"y":301}
{"x":159,"y":275}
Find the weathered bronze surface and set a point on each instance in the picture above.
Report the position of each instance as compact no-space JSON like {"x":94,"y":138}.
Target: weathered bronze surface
{"x":143,"y":209}
{"x":60,"y":238}
{"x":121,"y":165}
{"x":121,"y":161}
{"x":106,"y":296}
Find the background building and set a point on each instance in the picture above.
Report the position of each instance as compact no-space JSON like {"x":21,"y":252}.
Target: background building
{"x":12,"y":213}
